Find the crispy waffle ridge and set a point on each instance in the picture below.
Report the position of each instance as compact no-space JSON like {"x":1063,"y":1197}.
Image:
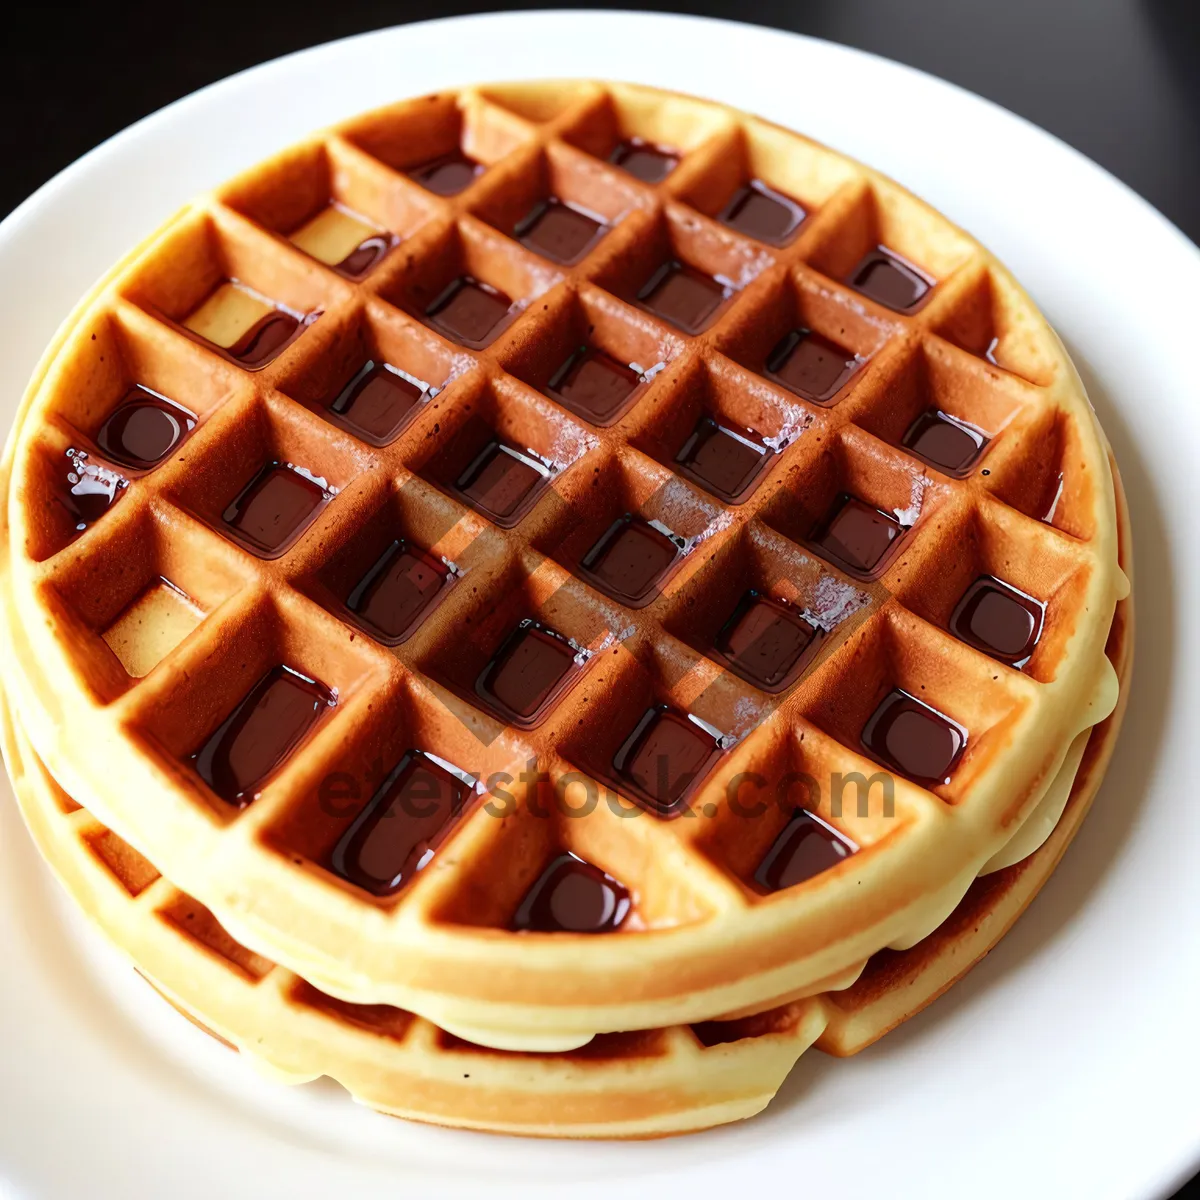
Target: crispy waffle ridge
{"x":651,"y":1083}
{"x":1037,"y":509}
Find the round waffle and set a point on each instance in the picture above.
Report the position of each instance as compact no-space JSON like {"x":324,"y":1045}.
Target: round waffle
{"x":623,"y":1085}
{"x":723,"y":438}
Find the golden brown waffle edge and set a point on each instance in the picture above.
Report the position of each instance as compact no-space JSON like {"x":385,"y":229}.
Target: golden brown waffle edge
{"x":659,"y":1082}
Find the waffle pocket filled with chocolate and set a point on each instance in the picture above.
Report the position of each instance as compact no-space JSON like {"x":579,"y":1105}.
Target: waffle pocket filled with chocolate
{"x":563,"y":560}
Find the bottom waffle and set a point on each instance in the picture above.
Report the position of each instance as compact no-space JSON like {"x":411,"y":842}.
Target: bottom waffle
{"x":643,"y":1084}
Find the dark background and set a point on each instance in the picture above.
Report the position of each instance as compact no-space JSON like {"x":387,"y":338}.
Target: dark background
{"x":1117,"y":79}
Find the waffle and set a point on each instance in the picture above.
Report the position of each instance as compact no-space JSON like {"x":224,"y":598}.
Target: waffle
{"x":567,"y":356}
{"x":623,"y":1085}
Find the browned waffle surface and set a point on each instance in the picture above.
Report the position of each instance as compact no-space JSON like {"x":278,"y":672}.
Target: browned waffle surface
{"x":759,"y":373}
{"x":642,"y":1084}
{"x":621,"y":1085}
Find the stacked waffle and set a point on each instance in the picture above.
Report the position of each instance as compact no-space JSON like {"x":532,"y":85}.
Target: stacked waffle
{"x":543,"y":602}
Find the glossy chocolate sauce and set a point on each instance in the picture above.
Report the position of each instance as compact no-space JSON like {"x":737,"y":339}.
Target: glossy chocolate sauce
{"x":998,"y":619}
{"x":806,"y":847}
{"x":594,"y":384}
{"x":91,"y":489}
{"x":945,"y":442}
{"x":644,"y":160}
{"x":470,"y":311}
{"x":402,"y":826}
{"x":503,"y":483}
{"x":399,"y":591}
{"x":572,"y":896}
{"x":266,"y":726}
{"x":379,"y":402}
{"x":448,"y":174}
{"x":686,"y":297}
{"x":811,"y":365}
{"x":857,"y":537}
{"x":766,"y":642}
{"x":888,"y":279}
{"x":918,"y":741}
{"x":665,"y":758}
{"x":366,"y":256}
{"x":725,"y":461}
{"x":532,"y":669}
{"x":631,"y":559}
{"x":264,"y":340}
{"x":144,"y":428}
{"x":764,"y":214}
{"x":559,"y":231}
{"x":274,"y":508}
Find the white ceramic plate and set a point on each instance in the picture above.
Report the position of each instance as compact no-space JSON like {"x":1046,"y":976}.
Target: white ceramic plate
{"x":1065,"y":1065}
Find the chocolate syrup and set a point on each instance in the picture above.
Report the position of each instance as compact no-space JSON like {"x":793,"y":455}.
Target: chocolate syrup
{"x":888,"y":279}
{"x":727,"y":462}
{"x":594,"y":384}
{"x":644,"y":160}
{"x":379,"y":402}
{"x":945,"y":442}
{"x":857,"y":537}
{"x":268,"y":723}
{"x":399,"y":591}
{"x":274,"y":508}
{"x":559,"y":231}
{"x":665,"y":759}
{"x":996,"y":618}
{"x":529,"y":673}
{"x":470,"y":311}
{"x":572,"y":896}
{"x":766,"y":642}
{"x":144,"y":428}
{"x":811,"y":365}
{"x":502,"y":483}
{"x":92,"y":489}
{"x":402,"y":826}
{"x":366,"y":256}
{"x":807,"y":846}
{"x":448,"y":174}
{"x":631,"y":558}
{"x":92,"y":492}
{"x":764,"y":214}
{"x":686,"y":297}
{"x":913,"y":738}
{"x":264,"y":340}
